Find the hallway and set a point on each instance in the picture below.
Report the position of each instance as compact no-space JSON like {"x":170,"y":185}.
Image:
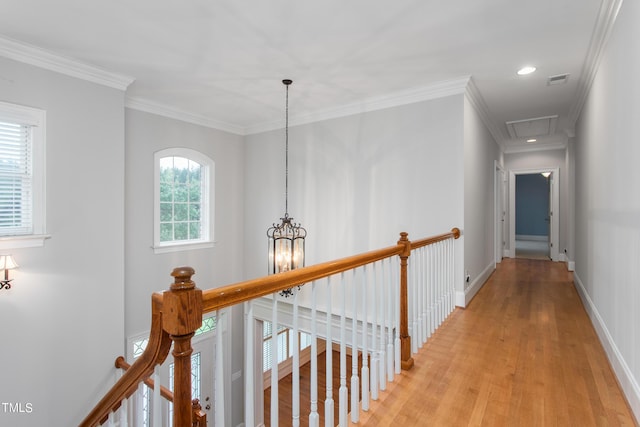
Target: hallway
{"x":524,"y":353}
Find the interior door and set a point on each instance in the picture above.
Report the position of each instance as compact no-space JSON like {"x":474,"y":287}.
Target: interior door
{"x":204,"y":358}
{"x":202,"y":375}
{"x":500,"y":212}
{"x":550,"y":215}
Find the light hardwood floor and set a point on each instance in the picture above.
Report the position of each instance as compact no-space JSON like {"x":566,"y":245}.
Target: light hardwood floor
{"x":524,"y":353}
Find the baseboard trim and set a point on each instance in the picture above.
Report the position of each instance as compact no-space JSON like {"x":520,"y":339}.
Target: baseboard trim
{"x":464,"y":298}
{"x":460,"y":300}
{"x":625,"y":377}
{"x":571,"y":265}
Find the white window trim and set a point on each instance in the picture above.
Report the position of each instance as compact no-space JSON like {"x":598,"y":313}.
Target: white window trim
{"x":37,"y":119}
{"x":207,"y":201}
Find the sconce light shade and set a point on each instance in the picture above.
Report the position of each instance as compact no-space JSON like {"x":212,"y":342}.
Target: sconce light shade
{"x":7,"y":263}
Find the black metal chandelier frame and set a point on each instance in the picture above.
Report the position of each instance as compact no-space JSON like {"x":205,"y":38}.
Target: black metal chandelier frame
{"x":286,"y":239}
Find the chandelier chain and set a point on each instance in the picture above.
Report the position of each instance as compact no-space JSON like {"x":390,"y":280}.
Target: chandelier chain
{"x":286,"y":154}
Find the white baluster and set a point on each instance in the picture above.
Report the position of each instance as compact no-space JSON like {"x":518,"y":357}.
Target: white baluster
{"x":418,"y":302}
{"x":314,"y":418}
{"x":221,"y":319}
{"x":328,"y":402}
{"x":438,"y":269}
{"x":295,"y":377}
{"x":452,"y":280}
{"x":424,"y":296}
{"x":396,"y":275}
{"x":365,"y":340}
{"x":355,"y":382}
{"x":375,"y":361}
{"x":124,"y":413}
{"x":249,"y":385}
{"x":429,"y":283}
{"x":443,"y":284}
{"x":157,"y":399}
{"x":415,"y":318}
{"x":434,"y":267}
{"x":391,"y":291}
{"x":274,"y":360}
{"x":343,"y":392}
{"x":432,"y":289}
{"x":447,"y":289}
{"x":382,"y":285}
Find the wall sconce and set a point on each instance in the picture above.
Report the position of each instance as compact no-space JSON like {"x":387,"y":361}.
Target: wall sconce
{"x":7,"y":263}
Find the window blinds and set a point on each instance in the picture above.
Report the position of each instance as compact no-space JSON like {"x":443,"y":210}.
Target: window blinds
{"x":16,"y":179}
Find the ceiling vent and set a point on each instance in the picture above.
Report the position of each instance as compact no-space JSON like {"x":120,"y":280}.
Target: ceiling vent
{"x":559,"y":79}
{"x":540,"y":126}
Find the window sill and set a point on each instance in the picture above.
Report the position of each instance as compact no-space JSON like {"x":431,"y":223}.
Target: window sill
{"x":182,"y":247}
{"x":19,"y":242}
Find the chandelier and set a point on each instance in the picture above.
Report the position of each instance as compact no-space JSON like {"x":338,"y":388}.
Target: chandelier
{"x":286,"y":239}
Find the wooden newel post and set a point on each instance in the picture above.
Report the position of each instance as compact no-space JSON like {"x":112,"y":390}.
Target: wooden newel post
{"x":182,"y":316}
{"x":405,"y":339}
{"x":199,"y":416}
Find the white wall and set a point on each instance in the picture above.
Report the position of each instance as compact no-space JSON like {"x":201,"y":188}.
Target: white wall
{"x":356,"y":182}
{"x":147,"y":272}
{"x":546,"y":159}
{"x":480,"y":154}
{"x":57,"y":349}
{"x":607,"y":203}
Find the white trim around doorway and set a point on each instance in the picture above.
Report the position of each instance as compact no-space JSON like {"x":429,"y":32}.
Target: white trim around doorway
{"x":554,"y":238}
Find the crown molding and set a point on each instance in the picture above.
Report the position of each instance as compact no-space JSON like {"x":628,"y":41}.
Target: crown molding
{"x":173,"y":113}
{"x":477,"y":101}
{"x":437,"y":90}
{"x":29,"y":54}
{"x":609,"y":10}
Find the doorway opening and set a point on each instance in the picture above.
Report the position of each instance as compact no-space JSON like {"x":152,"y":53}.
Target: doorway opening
{"x":534,"y":219}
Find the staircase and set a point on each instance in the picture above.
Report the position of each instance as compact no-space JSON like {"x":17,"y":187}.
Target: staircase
{"x":379,"y":306}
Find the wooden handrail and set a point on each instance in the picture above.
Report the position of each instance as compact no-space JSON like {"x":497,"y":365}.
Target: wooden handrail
{"x":177,"y":313}
{"x":215,"y":299}
{"x":455,"y":233}
{"x":164,"y":392}
{"x":154,"y":354}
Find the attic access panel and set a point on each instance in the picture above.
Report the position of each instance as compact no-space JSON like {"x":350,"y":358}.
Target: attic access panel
{"x":527,"y":128}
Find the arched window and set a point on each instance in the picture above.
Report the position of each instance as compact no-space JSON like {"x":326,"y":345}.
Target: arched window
{"x":183,"y":207}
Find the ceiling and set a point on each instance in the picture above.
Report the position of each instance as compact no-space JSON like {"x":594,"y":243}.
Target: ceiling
{"x":221,"y":62}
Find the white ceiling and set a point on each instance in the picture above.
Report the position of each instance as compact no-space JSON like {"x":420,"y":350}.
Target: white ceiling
{"x":221,"y":62}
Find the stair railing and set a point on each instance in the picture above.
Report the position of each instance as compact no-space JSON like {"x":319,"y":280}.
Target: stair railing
{"x":177,"y":313}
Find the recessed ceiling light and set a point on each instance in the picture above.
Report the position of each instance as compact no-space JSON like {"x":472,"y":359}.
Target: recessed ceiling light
{"x":526,"y":70}
{"x":531,"y":140}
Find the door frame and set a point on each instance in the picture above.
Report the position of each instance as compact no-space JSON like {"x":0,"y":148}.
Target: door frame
{"x":554,"y":188}
{"x":499,"y":212}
